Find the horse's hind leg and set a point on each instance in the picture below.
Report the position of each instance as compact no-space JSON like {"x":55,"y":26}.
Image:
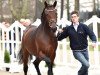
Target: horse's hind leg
{"x":25,"y":68}
{"x":25,"y":62}
{"x":36,"y":64}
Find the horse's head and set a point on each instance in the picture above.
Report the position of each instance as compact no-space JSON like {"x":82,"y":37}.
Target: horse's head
{"x":50,"y":15}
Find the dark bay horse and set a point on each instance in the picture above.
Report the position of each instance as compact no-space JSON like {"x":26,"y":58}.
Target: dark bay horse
{"x":41,"y":41}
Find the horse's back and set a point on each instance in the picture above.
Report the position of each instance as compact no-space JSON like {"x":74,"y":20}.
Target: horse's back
{"x":29,"y":28}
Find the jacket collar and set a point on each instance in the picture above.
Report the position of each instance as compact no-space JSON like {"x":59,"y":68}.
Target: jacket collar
{"x":73,"y":26}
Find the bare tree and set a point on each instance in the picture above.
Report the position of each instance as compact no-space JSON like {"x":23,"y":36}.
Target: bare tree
{"x":38,"y":8}
{"x":94,"y":7}
{"x":68,"y":17}
{"x":62,"y":7}
{"x":20,"y":11}
{"x":1,"y":10}
{"x":76,"y":5}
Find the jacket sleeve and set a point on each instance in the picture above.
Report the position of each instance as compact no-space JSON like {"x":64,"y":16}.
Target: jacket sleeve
{"x":90,"y":33}
{"x":61,"y":36}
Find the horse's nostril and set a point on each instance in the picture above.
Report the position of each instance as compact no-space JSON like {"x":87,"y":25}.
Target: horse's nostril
{"x":54,"y":29}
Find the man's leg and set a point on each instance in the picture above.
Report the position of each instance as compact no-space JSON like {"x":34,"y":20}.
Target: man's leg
{"x":83,"y":58}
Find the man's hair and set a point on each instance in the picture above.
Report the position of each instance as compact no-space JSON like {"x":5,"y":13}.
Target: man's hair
{"x":75,"y":12}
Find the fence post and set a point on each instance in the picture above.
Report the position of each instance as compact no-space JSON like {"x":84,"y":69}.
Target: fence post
{"x":96,"y":51}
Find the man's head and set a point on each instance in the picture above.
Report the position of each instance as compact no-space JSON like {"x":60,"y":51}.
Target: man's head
{"x":74,"y":17}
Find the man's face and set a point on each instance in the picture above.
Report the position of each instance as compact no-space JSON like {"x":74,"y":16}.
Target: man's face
{"x":74,"y":18}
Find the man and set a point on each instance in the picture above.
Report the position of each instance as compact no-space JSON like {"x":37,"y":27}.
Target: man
{"x":78,"y":33}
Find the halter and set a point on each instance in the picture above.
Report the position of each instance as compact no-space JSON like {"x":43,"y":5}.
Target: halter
{"x":50,"y":9}
{"x":52,"y":20}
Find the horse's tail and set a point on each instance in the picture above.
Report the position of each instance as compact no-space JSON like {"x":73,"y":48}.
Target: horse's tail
{"x":20,"y":56}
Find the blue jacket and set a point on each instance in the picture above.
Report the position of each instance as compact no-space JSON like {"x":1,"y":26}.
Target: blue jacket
{"x":78,"y":39}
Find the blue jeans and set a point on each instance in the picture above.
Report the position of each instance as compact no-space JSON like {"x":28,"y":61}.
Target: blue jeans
{"x":83,"y":58}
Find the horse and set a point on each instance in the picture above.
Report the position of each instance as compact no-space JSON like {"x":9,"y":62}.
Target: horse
{"x":40,"y":41}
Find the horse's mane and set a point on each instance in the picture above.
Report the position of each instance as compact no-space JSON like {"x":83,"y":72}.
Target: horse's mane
{"x":42,"y":15}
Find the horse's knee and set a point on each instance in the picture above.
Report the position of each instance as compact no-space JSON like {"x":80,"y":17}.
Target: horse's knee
{"x":46,"y":59}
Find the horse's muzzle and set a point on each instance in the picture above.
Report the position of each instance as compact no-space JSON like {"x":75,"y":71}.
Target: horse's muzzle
{"x":54,"y":29}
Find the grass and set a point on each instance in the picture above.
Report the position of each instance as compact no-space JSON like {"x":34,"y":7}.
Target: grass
{"x":98,"y":39}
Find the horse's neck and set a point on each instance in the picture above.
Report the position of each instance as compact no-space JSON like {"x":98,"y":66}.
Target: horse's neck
{"x":45,"y":28}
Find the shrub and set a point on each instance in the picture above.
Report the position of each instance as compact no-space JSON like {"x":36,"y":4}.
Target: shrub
{"x":6,"y":57}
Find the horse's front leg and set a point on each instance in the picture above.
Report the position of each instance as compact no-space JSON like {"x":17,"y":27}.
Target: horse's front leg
{"x":36,"y":64}
{"x":50,"y":67}
{"x":49,"y":64}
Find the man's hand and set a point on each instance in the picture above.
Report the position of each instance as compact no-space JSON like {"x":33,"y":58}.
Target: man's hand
{"x":94,"y":45}
{"x":60,"y":30}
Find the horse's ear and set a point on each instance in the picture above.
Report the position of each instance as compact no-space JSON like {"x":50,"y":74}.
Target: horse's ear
{"x":45,"y":3}
{"x":55,"y":3}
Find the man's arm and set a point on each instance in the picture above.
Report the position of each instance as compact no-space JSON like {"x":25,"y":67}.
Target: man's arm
{"x":62,"y":33}
{"x":91,"y":34}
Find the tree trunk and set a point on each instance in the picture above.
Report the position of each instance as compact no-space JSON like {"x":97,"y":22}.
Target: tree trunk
{"x":38,"y":8}
{"x":1,"y":14}
{"x":68,"y":17}
{"x":76,"y":5}
{"x":94,"y":7}
{"x":62,"y":8}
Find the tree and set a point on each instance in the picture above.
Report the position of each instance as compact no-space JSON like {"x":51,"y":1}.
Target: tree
{"x":76,"y":5}
{"x":94,"y":7}
{"x":38,"y":8}
{"x":1,"y":17}
{"x":68,"y":17}
{"x":20,"y":11}
{"x":62,"y":8}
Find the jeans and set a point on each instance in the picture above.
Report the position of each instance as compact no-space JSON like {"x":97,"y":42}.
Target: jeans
{"x":83,"y":58}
